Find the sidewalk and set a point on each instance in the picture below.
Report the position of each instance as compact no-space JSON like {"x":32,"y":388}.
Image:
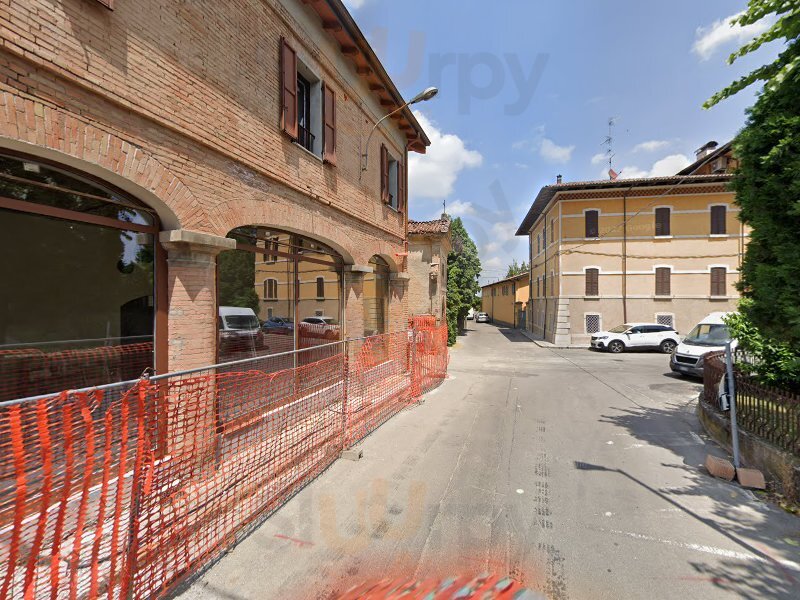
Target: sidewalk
{"x":542,"y":343}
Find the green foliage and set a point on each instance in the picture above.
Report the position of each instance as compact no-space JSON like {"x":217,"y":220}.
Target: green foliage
{"x":786,"y":27}
{"x":772,"y":362}
{"x":463,"y":270}
{"x":767,"y":187}
{"x":237,"y":276}
{"x":516,"y":268}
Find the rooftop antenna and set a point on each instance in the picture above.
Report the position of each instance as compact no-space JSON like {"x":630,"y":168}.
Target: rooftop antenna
{"x":609,"y":144}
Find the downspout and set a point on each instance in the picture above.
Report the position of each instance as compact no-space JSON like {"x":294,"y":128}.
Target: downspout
{"x":544,"y":329}
{"x":625,"y":255}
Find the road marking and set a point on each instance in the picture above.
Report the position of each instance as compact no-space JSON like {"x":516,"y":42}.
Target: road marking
{"x":721,"y":552}
{"x":520,"y":491}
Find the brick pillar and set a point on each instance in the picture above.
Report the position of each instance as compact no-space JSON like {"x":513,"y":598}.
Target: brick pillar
{"x":192,"y":277}
{"x":398,"y":301}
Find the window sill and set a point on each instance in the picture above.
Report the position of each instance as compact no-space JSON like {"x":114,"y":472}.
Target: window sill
{"x":592,"y":297}
{"x":719,"y":235}
{"x":320,"y":299}
{"x":307,"y":151}
{"x":718,"y":298}
{"x":659,"y":297}
{"x":663,"y":237}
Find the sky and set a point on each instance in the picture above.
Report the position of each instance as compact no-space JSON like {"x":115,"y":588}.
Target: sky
{"x":527,"y":88}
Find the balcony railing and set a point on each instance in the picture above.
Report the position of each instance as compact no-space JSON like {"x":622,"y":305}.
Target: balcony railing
{"x":305,"y":138}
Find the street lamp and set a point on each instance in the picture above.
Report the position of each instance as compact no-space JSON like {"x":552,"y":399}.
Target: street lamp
{"x":423,"y":96}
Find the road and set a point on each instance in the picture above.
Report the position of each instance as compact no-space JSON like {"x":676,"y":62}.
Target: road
{"x":577,"y":472}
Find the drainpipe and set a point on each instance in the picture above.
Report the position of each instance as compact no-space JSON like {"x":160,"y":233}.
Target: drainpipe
{"x":625,"y":255}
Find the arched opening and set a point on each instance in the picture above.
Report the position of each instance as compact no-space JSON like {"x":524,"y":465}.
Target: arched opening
{"x":79,"y":304}
{"x":277,"y":292}
{"x":376,"y":297}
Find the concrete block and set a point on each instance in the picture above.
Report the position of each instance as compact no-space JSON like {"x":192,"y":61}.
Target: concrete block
{"x":751,"y":478}
{"x":353,"y":454}
{"x":721,"y":468}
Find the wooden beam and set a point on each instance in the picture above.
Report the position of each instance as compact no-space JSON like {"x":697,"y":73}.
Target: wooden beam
{"x":332,"y":26}
{"x":349,"y":50}
{"x":363,"y":70}
{"x":387,"y":102}
{"x":377,"y":87}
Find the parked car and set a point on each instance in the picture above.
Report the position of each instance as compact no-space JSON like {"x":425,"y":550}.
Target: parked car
{"x":709,"y":335}
{"x":278,"y":325}
{"x":482,"y":317}
{"x":471,"y":314}
{"x":636,"y":335}
{"x":239,"y":330}
{"x":319,"y":327}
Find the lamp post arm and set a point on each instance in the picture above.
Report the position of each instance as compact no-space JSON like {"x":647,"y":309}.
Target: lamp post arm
{"x":365,"y":154}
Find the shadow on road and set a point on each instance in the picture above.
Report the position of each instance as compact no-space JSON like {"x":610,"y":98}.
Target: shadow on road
{"x":513,"y":335}
{"x":671,"y":427}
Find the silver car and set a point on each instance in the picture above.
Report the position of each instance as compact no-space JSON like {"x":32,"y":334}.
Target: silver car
{"x":482,"y":317}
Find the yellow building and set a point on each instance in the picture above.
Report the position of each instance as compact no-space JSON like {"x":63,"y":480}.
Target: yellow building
{"x":506,"y":301}
{"x":663,"y":250}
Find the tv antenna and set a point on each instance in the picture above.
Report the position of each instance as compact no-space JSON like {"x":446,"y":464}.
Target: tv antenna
{"x":609,"y":143}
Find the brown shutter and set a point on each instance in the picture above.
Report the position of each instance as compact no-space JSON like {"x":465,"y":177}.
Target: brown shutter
{"x":719,"y":281}
{"x":329,"y":129}
{"x":401,"y":186}
{"x":592,"y":282}
{"x":592,"y":223}
{"x":288,"y":89}
{"x":662,"y":221}
{"x":718,"y":220}
{"x":384,"y":175}
{"x":663,"y":286}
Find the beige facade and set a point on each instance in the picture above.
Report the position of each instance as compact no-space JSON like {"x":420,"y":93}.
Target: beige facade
{"x":428,"y":247}
{"x":506,"y":301}
{"x":662,"y":250}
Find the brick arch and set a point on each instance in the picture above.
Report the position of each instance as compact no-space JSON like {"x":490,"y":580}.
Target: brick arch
{"x":40,"y":130}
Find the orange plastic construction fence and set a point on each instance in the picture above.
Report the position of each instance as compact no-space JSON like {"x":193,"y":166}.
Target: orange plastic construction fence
{"x":127,"y":491}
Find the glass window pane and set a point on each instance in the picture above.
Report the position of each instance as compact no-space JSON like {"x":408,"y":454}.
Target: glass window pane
{"x":77,"y":304}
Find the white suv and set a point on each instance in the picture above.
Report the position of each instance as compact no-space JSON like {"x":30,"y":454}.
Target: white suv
{"x":637,"y":335}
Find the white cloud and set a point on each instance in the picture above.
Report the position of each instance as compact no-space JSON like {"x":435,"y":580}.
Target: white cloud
{"x":491,"y":247}
{"x":492,"y":263}
{"x":434,"y":174}
{"x":599,"y":158}
{"x":504,"y":231}
{"x":669,"y":165}
{"x":552,"y":152}
{"x":651,"y":146}
{"x":722,"y":33}
{"x":521,"y":165}
{"x":459,"y":208}
{"x":354,"y":4}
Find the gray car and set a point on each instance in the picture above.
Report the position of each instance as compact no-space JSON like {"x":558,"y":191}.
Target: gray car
{"x":482,"y":317}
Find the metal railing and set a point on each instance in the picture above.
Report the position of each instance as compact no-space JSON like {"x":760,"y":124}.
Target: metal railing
{"x":768,"y":413}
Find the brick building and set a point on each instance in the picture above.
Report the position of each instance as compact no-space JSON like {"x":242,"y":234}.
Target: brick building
{"x":159,"y":158}
{"x":428,"y":246}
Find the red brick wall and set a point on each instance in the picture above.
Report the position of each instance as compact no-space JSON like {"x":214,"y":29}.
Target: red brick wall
{"x":177,"y":102}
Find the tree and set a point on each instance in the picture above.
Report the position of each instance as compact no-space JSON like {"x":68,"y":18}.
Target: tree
{"x":463,"y":270}
{"x":516,"y":268}
{"x":786,"y":27}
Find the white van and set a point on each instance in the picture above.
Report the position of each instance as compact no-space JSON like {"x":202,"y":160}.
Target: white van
{"x":239,"y":329}
{"x":709,"y":335}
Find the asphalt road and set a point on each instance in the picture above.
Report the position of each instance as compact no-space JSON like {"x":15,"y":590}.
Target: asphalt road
{"x":577,"y":472}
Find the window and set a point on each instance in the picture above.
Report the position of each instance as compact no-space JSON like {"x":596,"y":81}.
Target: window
{"x":663,"y":287}
{"x":592,"y":282}
{"x":552,"y":283}
{"x":552,"y":230}
{"x":309,"y":107}
{"x":393,"y":183}
{"x":592,"y":323}
{"x":320,"y":288}
{"x":719,"y":283}
{"x":662,"y":221}
{"x":544,"y":284}
{"x":271,"y":244}
{"x":591,"y":218}
{"x":505,"y":290}
{"x":719,"y":220}
{"x":666,"y":320}
{"x":494,"y":291}
{"x":538,"y":292}
{"x":270,"y":289}
{"x":304,"y":136}
{"x":538,"y":243}
{"x":79,"y":291}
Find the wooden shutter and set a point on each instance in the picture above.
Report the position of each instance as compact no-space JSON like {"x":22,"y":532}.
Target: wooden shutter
{"x":719,"y":282}
{"x":662,"y":221}
{"x":288,"y":89}
{"x":663,"y":287}
{"x":592,"y":223}
{"x":718,"y":220}
{"x":384,"y":175}
{"x":401,"y":186}
{"x":329,"y":128}
{"x":592,"y":282}
{"x":320,"y":287}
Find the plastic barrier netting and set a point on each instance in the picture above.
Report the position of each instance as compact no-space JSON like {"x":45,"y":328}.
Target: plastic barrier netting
{"x":126,"y":491}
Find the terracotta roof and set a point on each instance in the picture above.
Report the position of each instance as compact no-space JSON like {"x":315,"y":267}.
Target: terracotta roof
{"x":692,"y":168}
{"x":547,"y":193}
{"x":524,"y":275}
{"x":441,"y":225}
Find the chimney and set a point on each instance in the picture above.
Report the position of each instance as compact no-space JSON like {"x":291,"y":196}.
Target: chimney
{"x":706,"y":149}
{"x":558,"y":179}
